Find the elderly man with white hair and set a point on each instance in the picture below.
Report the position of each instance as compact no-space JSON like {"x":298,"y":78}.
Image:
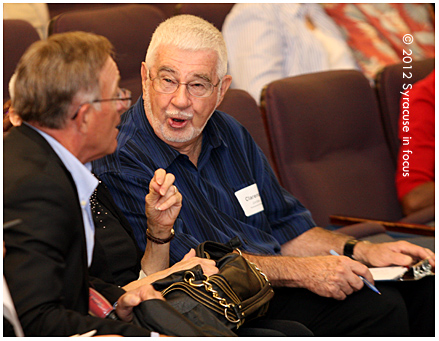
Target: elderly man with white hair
{"x":229,"y":190}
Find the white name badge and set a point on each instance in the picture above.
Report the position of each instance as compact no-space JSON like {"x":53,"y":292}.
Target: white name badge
{"x":250,"y":200}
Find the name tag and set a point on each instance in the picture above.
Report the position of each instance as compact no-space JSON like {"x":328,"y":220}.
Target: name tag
{"x":250,"y":200}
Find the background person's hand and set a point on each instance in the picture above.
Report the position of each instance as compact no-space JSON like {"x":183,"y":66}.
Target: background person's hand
{"x":400,"y":253}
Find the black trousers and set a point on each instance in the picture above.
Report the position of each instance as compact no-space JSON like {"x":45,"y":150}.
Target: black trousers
{"x":403,"y":309}
{"x":271,"y":328}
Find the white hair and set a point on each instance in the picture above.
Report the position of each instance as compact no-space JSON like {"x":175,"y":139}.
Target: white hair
{"x":189,"y":32}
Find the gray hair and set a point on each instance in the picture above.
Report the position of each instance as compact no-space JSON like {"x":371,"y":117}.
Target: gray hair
{"x":55,"y":72}
{"x":189,"y":32}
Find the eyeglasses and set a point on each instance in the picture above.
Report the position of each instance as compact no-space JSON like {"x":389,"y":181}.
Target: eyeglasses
{"x":167,"y":85}
{"x":123,"y":97}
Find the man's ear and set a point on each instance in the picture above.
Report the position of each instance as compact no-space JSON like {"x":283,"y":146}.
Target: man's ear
{"x":227,"y":80}
{"x":14,"y":118}
{"x":144,"y":73}
{"x":83,"y":117}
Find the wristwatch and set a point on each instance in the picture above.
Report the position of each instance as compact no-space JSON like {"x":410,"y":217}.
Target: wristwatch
{"x":348,"y":249}
{"x":158,"y":240}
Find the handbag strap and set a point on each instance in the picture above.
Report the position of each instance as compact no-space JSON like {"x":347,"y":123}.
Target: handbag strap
{"x":214,"y":250}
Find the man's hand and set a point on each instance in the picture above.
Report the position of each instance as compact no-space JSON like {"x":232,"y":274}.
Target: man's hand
{"x":400,"y":253}
{"x":130,"y":299}
{"x":327,"y":276}
{"x":162,"y":204}
{"x":189,"y":261}
{"x":332,"y":276}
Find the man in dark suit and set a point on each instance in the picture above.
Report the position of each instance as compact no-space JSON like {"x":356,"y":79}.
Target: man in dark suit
{"x":67,"y":95}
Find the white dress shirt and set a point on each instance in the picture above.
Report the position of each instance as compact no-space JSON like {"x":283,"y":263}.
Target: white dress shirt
{"x":9,"y":311}
{"x":270,"y":41}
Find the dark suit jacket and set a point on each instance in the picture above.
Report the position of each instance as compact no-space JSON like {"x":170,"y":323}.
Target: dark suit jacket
{"x":45,"y":264}
{"x":116,"y":256}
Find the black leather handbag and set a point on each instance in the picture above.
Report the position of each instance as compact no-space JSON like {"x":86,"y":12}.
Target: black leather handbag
{"x":238,"y":293}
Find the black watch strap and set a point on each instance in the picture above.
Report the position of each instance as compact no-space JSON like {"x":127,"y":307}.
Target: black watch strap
{"x":158,"y":240}
{"x":348,"y":249}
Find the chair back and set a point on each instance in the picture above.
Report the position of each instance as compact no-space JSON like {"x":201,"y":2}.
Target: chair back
{"x":57,"y":8}
{"x":329,"y":145}
{"x":128,"y":27}
{"x":213,"y":13}
{"x":390,"y":81}
{"x":18,"y":35}
{"x":243,"y":107}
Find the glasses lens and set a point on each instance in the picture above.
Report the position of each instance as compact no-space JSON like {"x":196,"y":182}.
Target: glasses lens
{"x":169,"y":86}
{"x":200,"y":89}
{"x":165,"y":85}
{"x":124,"y":96}
{"x":123,"y":93}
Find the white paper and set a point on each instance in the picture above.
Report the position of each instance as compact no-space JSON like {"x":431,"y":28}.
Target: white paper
{"x":389,"y":273}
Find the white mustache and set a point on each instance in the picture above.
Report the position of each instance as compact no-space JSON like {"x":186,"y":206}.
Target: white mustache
{"x":179,"y":115}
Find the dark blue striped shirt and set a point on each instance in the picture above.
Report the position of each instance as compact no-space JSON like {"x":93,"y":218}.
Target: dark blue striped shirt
{"x":229,"y":161}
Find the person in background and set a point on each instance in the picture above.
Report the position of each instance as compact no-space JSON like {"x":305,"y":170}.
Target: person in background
{"x":380,"y":34}
{"x":230,"y":190}
{"x":270,"y":41}
{"x":37,"y":14}
{"x":415,"y":173}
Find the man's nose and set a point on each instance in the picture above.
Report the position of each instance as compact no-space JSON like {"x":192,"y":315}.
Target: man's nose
{"x":181,"y":98}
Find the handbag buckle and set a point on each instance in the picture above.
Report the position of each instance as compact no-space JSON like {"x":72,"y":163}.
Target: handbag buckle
{"x":189,"y":277}
{"x":229,"y":318}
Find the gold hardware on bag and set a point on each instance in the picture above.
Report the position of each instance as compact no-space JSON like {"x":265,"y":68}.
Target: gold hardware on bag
{"x":229,"y":318}
{"x":260,"y":271}
{"x":189,"y":277}
{"x":239,"y":292}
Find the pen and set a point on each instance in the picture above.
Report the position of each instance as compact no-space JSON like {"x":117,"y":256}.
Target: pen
{"x":365,"y":281}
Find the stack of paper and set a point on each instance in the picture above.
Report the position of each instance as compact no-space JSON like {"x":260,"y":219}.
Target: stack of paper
{"x":390,"y":273}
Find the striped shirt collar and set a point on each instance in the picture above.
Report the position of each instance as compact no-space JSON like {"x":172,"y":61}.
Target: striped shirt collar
{"x":212,"y":137}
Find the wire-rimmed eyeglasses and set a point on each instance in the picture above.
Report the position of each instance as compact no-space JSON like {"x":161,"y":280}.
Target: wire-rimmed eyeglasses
{"x":123,"y":96}
{"x":168,"y":85}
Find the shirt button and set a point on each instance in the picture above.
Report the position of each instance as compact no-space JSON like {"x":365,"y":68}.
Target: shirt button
{"x":83,"y":203}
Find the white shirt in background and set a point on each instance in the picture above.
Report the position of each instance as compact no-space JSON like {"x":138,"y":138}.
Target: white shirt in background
{"x":270,"y":41}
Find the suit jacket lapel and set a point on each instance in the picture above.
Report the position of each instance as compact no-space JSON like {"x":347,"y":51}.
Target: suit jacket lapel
{"x":41,"y":141}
